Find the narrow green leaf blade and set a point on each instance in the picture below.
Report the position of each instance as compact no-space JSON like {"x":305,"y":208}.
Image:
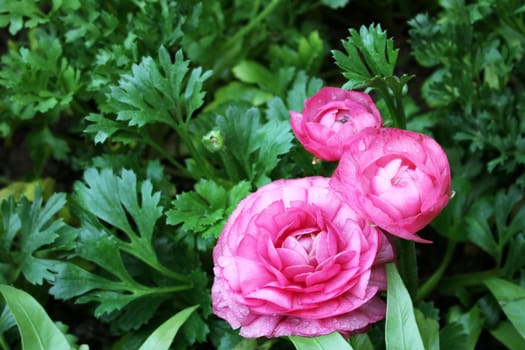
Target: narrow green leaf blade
{"x":162,"y":337}
{"x":37,"y":330}
{"x":507,"y":334}
{"x":402,"y":332}
{"x":324,"y":342}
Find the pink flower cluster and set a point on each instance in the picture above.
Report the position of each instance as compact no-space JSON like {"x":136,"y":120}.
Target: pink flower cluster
{"x":307,"y":256}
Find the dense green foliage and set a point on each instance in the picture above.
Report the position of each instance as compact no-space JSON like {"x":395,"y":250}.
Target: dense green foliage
{"x":129,"y":131}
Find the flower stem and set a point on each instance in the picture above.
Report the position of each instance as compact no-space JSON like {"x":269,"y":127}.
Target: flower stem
{"x":395,"y":107}
{"x":253,"y":23}
{"x":407,"y":265}
{"x":453,"y":283}
{"x":168,"y":157}
{"x":431,"y":283}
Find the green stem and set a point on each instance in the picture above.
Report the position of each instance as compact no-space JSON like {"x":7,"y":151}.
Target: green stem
{"x":450,"y":284}
{"x":431,"y":283}
{"x":166,"y":155}
{"x":252,"y":24}
{"x":396,"y":110}
{"x":148,"y":256}
{"x":3,"y":344}
{"x":229,"y":53}
{"x":181,"y":128}
{"x":229,"y":165}
{"x":407,"y":265}
{"x":163,"y":290}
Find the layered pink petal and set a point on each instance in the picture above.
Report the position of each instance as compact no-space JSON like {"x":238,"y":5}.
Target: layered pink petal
{"x":306,"y":258}
{"x":398,"y":179}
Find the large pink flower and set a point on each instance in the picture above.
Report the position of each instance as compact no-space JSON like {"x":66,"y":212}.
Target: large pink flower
{"x":331,"y":118}
{"x":294,"y":259}
{"x":398,"y":179}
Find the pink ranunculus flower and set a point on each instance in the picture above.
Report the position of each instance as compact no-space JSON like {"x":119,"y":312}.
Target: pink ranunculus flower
{"x":331,"y":118}
{"x":294,"y":259}
{"x":398,"y":179}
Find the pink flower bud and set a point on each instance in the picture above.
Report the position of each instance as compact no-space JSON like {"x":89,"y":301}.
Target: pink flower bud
{"x":331,"y":118}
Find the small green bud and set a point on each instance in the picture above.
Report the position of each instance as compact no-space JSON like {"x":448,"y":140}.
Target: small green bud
{"x":213,"y":140}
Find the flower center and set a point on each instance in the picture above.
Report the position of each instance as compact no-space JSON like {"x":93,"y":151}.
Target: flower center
{"x":342,"y":118}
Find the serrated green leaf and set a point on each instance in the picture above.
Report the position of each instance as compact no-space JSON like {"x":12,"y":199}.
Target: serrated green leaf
{"x":205,"y":210}
{"x":72,"y":280}
{"x":195,"y":328}
{"x":102,"y":249}
{"x":453,"y":335}
{"x":126,"y":319}
{"x":37,"y":330}
{"x":303,"y":87}
{"x":323,"y":342}
{"x":478,"y":228}
{"x":112,"y":198}
{"x":19,"y":13}
{"x":39,"y":79}
{"x":104,"y":128}
{"x":246,"y":140}
{"x":471,"y":324}
{"x":368,"y":54}
{"x":33,"y":225}
{"x":168,"y":92}
{"x":401,"y":330}
{"x":512,"y":300}
{"x":163,"y":336}
{"x":429,"y":330}
{"x":99,"y":195}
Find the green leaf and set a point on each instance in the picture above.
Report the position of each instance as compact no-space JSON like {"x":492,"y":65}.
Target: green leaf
{"x":466,"y":327}
{"x":512,"y":300}
{"x":163,"y":336}
{"x":39,"y":79}
{"x":478,"y":228}
{"x":303,"y":87}
{"x":153,"y":91}
{"x":117,"y":214}
{"x":246,"y":141}
{"x":429,"y":330}
{"x":33,"y":225}
{"x":335,"y":3}
{"x":401,"y":330}
{"x":254,"y":73}
{"x":201,"y":210}
{"x":103,"y":128}
{"x":361,"y":342}
{"x":453,"y":335}
{"x":7,"y":320}
{"x":205,"y":210}
{"x":37,"y":330}
{"x":72,"y":280}
{"x":324,"y":342}
{"x":20,"y":13}
{"x":507,"y":334}
{"x":112,"y":198}
{"x":368,"y":54}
